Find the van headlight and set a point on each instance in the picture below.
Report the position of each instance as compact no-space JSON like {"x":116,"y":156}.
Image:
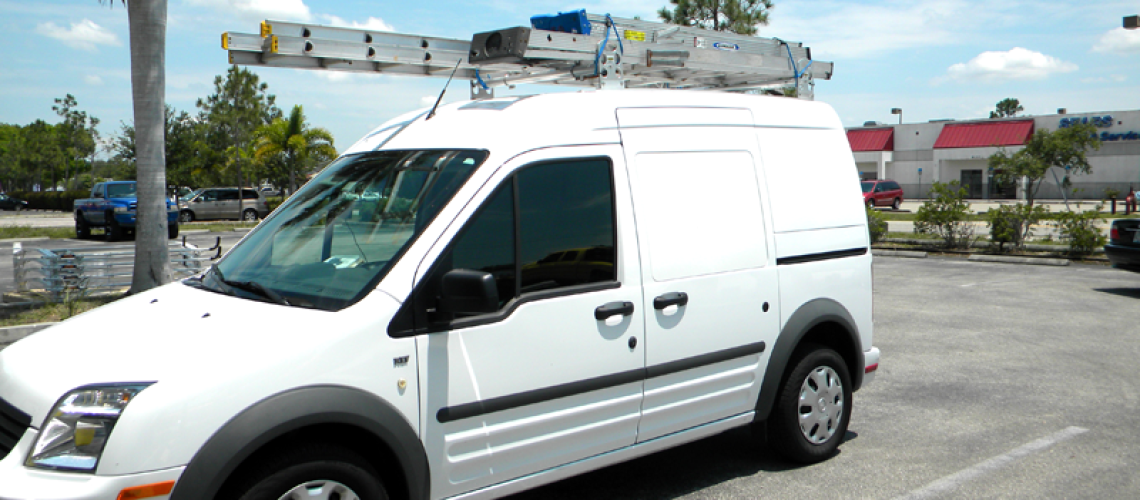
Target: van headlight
{"x":76,"y":430}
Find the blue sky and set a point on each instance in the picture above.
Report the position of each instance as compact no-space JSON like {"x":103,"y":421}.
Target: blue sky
{"x":934,"y":59}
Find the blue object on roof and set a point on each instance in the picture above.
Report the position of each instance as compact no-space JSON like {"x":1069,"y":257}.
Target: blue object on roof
{"x":566,"y":22}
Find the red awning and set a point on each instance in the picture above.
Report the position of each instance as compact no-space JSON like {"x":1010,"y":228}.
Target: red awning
{"x":876,"y":139}
{"x":985,"y":134}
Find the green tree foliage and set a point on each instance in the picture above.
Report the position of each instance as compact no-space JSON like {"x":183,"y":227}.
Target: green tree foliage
{"x":1006,"y":107}
{"x":946,"y":214}
{"x":295,"y":144}
{"x":77,"y":135}
{"x":239,"y":106}
{"x":185,"y":143}
{"x":737,"y":16}
{"x":1066,"y":147}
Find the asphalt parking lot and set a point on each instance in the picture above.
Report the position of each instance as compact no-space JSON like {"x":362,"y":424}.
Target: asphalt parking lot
{"x":996,"y":381}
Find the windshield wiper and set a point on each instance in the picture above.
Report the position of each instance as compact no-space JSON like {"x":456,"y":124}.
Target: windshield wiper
{"x":248,"y":286}
{"x":259,"y":289}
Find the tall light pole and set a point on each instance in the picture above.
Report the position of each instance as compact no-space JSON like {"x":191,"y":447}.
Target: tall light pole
{"x":897,"y":111}
{"x":1131,"y":23}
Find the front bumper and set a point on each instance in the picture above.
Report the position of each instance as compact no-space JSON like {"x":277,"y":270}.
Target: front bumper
{"x":18,"y":482}
{"x":1123,"y":257}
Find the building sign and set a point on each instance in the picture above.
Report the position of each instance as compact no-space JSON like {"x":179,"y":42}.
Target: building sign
{"x":1104,"y":121}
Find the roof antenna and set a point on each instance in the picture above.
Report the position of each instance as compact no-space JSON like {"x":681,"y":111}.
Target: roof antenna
{"x":444,"y":91}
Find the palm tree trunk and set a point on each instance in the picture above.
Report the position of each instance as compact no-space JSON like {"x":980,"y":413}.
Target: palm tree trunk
{"x":148,"y":85}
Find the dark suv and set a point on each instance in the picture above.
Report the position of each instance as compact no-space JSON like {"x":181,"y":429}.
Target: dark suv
{"x":882,"y":192}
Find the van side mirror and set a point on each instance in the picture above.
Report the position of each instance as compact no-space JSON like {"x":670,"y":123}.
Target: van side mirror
{"x":465,"y":291}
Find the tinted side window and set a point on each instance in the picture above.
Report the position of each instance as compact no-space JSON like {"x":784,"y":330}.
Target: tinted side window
{"x":565,"y":236}
{"x":893,"y":186}
{"x":487,"y":244}
{"x":227,"y":194}
{"x":566,"y":208}
{"x":249,"y":194}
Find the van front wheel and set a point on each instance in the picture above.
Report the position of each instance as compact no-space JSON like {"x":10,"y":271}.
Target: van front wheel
{"x":313,"y":471}
{"x":812,"y":410}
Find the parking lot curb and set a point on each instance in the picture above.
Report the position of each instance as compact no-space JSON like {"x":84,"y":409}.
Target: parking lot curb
{"x":21,"y":240}
{"x":899,"y":253}
{"x":1009,"y":259}
{"x":11,"y":334}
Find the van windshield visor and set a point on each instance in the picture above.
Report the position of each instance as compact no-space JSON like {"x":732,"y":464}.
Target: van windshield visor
{"x":333,"y":241}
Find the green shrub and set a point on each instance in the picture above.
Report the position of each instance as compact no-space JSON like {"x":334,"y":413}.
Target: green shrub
{"x":50,"y":200}
{"x":946,"y":214}
{"x":1013,"y":224}
{"x":1079,"y":230}
{"x":876,"y":224}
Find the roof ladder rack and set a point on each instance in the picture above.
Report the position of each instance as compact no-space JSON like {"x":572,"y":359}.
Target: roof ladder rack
{"x":607,"y":53}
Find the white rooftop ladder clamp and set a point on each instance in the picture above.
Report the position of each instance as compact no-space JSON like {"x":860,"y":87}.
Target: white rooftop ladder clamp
{"x":581,"y":50}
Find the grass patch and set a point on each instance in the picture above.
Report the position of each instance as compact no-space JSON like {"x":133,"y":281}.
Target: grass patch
{"x":36,"y":232}
{"x":57,"y":312}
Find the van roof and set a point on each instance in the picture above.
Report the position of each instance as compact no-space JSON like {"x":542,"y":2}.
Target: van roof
{"x":508,"y":125}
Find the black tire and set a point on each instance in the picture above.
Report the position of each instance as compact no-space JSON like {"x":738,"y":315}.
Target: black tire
{"x":114,"y":231}
{"x":249,"y":215}
{"x":172,"y":230}
{"x":185,"y":216}
{"x":816,"y":374}
{"x":82,"y":230}
{"x":896,"y":204}
{"x":871,"y":202}
{"x":308,"y":464}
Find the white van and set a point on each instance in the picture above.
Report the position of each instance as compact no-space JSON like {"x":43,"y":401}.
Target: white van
{"x":470,"y":304}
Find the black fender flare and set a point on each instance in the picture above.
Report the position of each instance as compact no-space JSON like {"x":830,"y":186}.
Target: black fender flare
{"x":808,"y":316}
{"x":294,"y":409}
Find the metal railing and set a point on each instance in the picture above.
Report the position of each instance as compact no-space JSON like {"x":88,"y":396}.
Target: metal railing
{"x":58,"y":273}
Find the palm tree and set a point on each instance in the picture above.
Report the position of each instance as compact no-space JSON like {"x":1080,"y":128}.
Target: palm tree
{"x":147,"y":20}
{"x":295,"y":141}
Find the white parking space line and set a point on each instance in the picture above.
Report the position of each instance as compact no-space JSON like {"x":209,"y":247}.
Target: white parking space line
{"x":953,"y":481}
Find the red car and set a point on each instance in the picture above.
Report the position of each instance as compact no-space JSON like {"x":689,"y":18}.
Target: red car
{"x":882,"y":192}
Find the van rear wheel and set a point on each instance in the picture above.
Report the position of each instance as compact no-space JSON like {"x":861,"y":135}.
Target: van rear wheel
{"x":312,"y":471}
{"x":249,"y":215}
{"x":897,"y":203}
{"x":812,"y":410}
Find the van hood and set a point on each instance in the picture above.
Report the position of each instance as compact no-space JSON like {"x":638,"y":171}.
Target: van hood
{"x":169,"y":333}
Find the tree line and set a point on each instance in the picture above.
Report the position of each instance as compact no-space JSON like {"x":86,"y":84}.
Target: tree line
{"x":237,"y":135}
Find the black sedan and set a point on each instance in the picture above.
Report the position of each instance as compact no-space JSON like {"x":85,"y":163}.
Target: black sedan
{"x":1123,"y":248}
{"x":10,"y":203}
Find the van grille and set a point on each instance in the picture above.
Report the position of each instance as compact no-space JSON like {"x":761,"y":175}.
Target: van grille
{"x":13,"y":424}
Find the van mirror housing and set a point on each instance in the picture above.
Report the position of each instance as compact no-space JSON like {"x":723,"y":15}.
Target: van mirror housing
{"x":465,"y":291}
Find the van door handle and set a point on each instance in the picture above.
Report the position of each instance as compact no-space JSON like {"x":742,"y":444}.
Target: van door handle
{"x":670,"y":299}
{"x":612,"y":309}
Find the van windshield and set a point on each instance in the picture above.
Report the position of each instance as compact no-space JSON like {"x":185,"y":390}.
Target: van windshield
{"x":332,"y":242}
{"x":868,"y":186}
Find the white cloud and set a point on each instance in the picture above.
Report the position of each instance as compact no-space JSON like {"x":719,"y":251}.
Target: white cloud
{"x":84,"y":35}
{"x":93,"y":80}
{"x":1120,"y":41}
{"x":260,"y":10}
{"x":335,"y":76}
{"x":1016,"y":64}
{"x":373,"y":23}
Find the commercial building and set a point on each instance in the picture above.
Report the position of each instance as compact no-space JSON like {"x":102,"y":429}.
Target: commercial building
{"x":918,"y":154}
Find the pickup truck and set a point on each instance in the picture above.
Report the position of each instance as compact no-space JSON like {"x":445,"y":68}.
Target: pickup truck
{"x":112,"y":206}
